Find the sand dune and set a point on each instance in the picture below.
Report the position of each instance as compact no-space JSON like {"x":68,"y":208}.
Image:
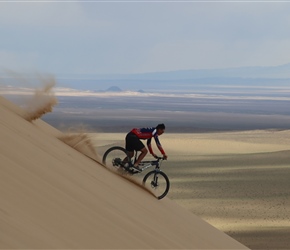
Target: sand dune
{"x":53,"y":196}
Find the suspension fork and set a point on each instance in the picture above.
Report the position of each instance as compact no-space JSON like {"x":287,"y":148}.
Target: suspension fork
{"x":155,"y":179}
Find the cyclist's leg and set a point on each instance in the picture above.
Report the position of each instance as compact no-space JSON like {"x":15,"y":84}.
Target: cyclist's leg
{"x":133,"y":143}
{"x":144,"y":151}
{"x":130,"y":153}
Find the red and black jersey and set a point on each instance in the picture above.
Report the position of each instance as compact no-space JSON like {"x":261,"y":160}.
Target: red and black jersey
{"x":148,"y":133}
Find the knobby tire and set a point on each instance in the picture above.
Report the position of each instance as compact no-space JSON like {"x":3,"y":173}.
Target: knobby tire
{"x":116,"y":149}
{"x":148,"y":178}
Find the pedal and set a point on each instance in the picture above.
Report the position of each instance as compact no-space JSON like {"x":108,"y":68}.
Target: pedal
{"x":135,"y":170}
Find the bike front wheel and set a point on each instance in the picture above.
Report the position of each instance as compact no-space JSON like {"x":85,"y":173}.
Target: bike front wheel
{"x":158,"y":182}
{"x":116,"y":157}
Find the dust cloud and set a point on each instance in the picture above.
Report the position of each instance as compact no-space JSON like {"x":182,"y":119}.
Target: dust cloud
{"x":82,"y":143}
{"x":41,"y":102}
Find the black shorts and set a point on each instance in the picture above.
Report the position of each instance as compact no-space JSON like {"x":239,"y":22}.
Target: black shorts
{"x":133,"y":142}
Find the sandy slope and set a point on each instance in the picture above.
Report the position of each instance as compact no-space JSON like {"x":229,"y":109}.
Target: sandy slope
{"x":52,"y":196}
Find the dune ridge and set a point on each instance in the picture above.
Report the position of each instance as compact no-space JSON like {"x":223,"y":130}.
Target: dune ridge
{"x":53,"y":196}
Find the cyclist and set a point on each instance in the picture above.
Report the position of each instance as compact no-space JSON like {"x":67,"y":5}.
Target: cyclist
{"x":133,"y":142}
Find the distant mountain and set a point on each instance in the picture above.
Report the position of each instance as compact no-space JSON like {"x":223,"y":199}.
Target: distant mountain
{"x":114,"y":89}
{"x":181,"y":80}
{"x":281,"y":71}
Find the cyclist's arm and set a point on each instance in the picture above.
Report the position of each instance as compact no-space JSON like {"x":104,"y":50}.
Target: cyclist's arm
{"x":159,"y":145}
{"x":149,"y":146}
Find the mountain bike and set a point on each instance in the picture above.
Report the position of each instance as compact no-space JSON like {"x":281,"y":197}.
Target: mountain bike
{"x":118,"y":158}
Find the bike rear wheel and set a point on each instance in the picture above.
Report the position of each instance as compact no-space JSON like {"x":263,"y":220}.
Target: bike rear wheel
{"x":158,"y":182}
{"x":116,"y":157}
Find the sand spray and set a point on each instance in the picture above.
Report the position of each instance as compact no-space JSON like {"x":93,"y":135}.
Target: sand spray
{"x":41,"y":102}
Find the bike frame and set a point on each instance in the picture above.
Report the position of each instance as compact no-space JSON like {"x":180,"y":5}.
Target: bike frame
{"x":148,"y":164}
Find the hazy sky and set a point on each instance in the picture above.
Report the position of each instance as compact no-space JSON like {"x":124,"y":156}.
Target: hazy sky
{"x":100,"y":37}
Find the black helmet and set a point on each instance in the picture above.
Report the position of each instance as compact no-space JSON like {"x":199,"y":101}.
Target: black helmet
{"x":160,"y":126}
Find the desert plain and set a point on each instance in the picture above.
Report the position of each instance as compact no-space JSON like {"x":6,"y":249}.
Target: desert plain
{"x":236,"y":181}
